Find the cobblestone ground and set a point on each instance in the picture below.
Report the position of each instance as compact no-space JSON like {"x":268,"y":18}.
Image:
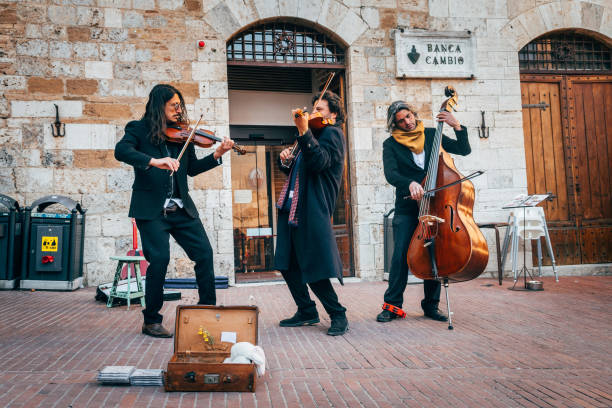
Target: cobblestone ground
{"x":508,"y":349}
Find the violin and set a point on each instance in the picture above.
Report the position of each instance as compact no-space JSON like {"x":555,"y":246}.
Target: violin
{"x":316,"y":121}
{"x":179,"y":133}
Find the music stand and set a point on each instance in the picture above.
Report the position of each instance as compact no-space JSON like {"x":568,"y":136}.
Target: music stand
{"x":523,"y":201}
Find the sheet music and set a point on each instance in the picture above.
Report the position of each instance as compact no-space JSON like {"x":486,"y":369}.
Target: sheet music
{"x":524,"y":200}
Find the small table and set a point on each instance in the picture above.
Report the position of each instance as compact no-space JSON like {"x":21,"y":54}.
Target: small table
{"x":496,"y":226}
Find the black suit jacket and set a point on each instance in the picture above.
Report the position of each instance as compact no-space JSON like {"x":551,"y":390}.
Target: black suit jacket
{"x":151,"y":185}
{"x":401,"y":170}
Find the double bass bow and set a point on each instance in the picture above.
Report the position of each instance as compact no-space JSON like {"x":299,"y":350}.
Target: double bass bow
{"x":447,"y":244}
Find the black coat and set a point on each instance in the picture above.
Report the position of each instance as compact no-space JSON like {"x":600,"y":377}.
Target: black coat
{"x":320,"y":173}
{"x":401,"y":170}
{"x":151,"y":185}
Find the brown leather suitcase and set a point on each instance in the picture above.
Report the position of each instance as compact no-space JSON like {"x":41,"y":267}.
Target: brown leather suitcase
{"x":195,"y":365}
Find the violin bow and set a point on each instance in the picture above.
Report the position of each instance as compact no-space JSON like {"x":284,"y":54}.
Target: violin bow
{"x":329,"y":79}
{"x":189,"y":138}
{"x":287,"y":164}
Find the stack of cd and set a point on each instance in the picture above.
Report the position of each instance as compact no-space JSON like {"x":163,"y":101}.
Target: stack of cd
{"x":116,"y":374}
{"x":147,"y":377}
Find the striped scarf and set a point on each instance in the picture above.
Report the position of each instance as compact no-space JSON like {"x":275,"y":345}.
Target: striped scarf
{"x":293,"y":217}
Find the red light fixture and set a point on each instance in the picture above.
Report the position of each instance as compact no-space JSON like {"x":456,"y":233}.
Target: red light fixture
{"x":201,"y":44}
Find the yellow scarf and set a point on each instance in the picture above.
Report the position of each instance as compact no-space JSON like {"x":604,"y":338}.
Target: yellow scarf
{"x":414,"y":140}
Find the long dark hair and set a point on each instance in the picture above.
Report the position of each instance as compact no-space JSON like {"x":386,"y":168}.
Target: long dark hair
{"x":334,"y":102}
{"x":155,"y":114}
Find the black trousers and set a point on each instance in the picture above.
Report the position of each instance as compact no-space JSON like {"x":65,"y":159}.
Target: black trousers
{"x":403,"y":228}
{"x":322,"y":289}
{"x":190,"y":235}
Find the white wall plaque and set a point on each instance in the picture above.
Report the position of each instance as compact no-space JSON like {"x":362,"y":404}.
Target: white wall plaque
{"x":427,"y":54}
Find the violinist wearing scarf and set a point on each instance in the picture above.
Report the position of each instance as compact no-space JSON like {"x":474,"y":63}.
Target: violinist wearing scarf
{"x":405,"y":160}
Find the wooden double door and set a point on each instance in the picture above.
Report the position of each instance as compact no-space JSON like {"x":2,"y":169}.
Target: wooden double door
{"x":567,"y":123}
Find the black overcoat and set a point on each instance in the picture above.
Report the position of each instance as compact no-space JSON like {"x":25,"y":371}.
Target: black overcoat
{"x":151,"y":185}
{"x":401,"y":170}
{"x":320,"y":173}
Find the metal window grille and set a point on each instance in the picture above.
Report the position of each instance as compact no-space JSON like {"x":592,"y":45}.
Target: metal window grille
{"x":565,"y":52}
{"x":284,"y":43}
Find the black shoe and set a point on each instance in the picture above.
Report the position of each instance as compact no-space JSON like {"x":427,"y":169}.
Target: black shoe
{"x":338,"y":327}
{"x":155,"y":330}
{"x":299,"y":320}
{"x":386,"y":316}
{"x":436,"y":315}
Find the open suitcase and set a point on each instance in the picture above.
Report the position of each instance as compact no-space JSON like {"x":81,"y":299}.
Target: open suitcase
{"x":198,"y":366}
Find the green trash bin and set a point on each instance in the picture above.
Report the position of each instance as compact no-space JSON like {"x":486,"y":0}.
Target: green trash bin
{"x":11,"y":219}
{"x":53,"y":245}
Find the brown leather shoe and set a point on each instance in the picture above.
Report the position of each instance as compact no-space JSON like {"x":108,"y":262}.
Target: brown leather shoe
{"x":155,"y":330}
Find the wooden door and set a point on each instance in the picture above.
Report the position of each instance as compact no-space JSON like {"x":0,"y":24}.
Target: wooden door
{"x":567,"y":123}
{"x":590,"y":115}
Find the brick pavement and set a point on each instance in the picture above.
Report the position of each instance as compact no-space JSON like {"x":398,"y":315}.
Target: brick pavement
{"x":508,"y":349}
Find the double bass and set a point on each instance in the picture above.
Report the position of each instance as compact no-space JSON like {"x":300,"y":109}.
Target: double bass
{"x":447,"y":245}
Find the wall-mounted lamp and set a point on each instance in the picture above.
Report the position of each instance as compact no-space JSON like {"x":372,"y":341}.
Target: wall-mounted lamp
{"x":57,"y":127}
{"x":483,"y":130}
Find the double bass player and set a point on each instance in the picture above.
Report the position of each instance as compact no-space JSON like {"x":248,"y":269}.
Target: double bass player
{"x":406,"y":155}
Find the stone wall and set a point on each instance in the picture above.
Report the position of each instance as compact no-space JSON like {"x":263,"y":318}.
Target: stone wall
{"x":97,"y":60}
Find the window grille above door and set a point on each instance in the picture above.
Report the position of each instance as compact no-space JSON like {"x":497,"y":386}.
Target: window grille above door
{"x":284,"y":43}
{"x":565,"y":52}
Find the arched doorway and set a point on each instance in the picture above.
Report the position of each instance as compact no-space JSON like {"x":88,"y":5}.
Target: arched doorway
{"x":273,"y":67}
{"x":566,"y":88}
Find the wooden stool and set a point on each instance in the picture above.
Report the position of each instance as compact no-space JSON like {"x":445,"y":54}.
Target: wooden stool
{"x":128,"y":294}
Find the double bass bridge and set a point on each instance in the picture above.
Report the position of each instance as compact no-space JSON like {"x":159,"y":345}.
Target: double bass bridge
{"x":429,"y":224}
{"x":430,"y":219}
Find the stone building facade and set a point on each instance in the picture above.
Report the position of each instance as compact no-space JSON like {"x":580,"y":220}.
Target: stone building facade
{"x":98,"y":59}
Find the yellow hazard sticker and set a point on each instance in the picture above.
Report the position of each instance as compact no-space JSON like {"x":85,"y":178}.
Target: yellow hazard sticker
{"x":49,"y":244}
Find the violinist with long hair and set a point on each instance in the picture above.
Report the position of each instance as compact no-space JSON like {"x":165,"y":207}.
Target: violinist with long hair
{"x":306,"y":251}
{"x":406,"y":155}
{"x":160,"y":201}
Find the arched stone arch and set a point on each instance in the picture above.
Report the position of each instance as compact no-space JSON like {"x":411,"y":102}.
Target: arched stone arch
{"x":584,"y":15}
{"x":228,"y":17}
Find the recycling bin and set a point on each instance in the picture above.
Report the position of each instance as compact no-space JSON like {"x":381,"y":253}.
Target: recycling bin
{"x":11,"y":220}
{"x":53,"y":245}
